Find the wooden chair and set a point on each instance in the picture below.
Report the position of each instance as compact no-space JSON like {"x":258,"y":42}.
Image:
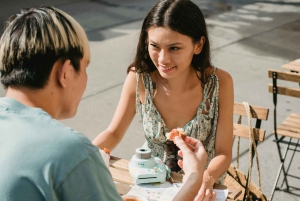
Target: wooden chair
{"x":240,"y":130}
{"x":289,"y":128}
{"x":258,"y":113}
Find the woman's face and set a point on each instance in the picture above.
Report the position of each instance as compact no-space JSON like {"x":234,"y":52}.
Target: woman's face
{"x":170,"y":51}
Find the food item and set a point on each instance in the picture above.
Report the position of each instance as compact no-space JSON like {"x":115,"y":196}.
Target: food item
{"x":176,"y":132}
{"x":133,"y":198}
{"x":106,"y":151}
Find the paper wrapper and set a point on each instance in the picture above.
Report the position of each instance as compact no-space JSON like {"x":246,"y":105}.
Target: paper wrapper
{"x":105,"y":157}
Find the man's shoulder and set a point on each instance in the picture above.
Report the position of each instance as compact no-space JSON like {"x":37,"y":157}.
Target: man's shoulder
{"x":69,"y":141}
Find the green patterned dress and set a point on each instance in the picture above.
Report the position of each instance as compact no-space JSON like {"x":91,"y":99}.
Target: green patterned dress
{"x":203,"y":126}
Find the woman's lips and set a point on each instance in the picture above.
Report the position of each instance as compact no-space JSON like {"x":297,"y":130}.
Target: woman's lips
{"x":166,"y":70}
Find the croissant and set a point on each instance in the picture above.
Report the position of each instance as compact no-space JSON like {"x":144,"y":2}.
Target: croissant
{"x":106,"y":151}
{"x":176,"y":132}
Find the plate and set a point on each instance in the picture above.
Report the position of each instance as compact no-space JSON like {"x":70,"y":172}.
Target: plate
{"x":131,"y":197}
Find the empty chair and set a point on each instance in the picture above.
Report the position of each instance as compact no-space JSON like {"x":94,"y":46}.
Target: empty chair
{"x":287,"y":132}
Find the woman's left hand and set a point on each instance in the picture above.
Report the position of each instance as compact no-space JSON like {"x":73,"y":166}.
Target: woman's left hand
{"x":206,"y":192}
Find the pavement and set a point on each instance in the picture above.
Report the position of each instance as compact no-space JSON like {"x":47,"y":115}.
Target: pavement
{"x":247,"y":37}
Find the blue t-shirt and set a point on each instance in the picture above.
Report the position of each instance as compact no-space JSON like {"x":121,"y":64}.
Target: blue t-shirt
{"x":41,"y":159}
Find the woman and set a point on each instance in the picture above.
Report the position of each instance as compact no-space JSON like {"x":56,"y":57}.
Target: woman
{"x":172,"y":84}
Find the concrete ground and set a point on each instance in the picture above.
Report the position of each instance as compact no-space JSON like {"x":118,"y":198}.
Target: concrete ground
{"x":248,"y":37}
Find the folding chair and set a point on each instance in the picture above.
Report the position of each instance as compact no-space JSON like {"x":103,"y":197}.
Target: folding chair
{"x":238,"y":186}
{"x":289,"y":129}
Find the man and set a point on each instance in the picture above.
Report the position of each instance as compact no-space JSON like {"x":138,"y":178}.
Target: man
{"x":44,"y":54}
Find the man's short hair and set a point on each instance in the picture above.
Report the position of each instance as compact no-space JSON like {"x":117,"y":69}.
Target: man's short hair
{"x":33,"y":41}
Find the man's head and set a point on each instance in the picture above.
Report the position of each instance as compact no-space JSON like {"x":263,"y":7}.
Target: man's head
{"x":33,"y":41}
{"x":45,"y":51}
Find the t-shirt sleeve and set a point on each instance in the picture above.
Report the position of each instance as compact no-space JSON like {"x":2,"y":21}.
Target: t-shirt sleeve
{"x":89,"y":181}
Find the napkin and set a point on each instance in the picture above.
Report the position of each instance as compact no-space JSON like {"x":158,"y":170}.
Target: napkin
{"x":105,"y":157}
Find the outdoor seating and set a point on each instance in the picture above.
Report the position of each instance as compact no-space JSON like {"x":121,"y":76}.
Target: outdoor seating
{"x":287,"y":133}
{"x":236,"y":178}
{"x":124,"y":181}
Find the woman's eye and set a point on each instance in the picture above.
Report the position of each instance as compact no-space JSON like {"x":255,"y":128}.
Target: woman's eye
{"x":174,"y":48}
{"x":153,"y":45}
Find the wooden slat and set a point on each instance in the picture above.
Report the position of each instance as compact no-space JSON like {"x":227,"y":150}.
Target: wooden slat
{"x":288,"y":76}
{"x":296,"y":62}
{"x":233,"y":193}
{"x":286,"y":91}
{"x":291,"y":67}
{"x":288,"y":133}
{"x":123,"y":188}
{"x":119,"y":163}
{"x":295,"y":115}
{"x":256,"y":112}
{"x":243,"y":131}
{"x":289,"y":128}
{"x":292,"y":121}
{"x":121,"y":176}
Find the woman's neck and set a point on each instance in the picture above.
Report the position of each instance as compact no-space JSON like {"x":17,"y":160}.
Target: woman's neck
{"x":178,"y":84}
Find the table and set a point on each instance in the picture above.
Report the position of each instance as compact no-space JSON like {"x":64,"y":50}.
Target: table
{"x":293,"y":66}
{"x":124,"y":181}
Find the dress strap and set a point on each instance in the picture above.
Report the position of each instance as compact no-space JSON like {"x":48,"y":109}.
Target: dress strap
{"x":214,"y":72}
{"x":147,"y":83}
{"x":210,"y":93}
{"x":137,"y":92}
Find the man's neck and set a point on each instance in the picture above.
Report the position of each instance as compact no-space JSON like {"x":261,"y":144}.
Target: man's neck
{"x":37,"y":98}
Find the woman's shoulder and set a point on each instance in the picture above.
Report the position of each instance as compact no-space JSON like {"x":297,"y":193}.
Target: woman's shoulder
{"x":223,"y":75}
{"x":225,"y":82}
{"x":133,"y":72}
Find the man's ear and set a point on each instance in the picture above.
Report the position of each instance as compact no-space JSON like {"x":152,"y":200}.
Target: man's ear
{"x":199,"y":45}
{"x":63,"y":72}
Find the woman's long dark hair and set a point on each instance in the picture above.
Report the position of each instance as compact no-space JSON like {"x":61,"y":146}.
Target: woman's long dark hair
{"x":182,"y":16}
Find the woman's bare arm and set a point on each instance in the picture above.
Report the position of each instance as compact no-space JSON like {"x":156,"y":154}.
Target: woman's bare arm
{"x":223,"y":145}
{"x":122,"y":118}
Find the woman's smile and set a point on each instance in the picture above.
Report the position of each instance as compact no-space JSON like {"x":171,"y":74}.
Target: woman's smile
{"x":165,"y":69}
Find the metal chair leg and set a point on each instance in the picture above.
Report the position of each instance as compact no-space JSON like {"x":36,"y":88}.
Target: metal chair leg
{"x":281,"y":168}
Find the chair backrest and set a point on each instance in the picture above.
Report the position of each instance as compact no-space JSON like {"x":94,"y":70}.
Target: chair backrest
{"x":287,"y":76}
{"x":236,"y":178}
{"x":258,"y":113}
{"x":288,"y":91}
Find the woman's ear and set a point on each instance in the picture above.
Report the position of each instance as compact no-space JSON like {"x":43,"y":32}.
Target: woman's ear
{"x":199,"y":45}
{"x":64,"y":71}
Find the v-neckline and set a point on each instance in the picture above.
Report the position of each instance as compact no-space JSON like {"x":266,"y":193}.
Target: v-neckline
{"x":158,"y":113}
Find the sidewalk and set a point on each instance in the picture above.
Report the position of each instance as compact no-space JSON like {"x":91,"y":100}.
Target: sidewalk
{"x":247,"y":39}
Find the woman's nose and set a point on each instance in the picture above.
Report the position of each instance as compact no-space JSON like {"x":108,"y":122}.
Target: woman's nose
{"x":164,"y":57}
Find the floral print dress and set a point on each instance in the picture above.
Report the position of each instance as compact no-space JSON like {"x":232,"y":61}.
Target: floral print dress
{"x":202,"y":127}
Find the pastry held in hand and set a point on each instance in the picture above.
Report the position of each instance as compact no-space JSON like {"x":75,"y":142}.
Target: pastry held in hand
{"x":176,"y":132}
{"x":106,"y":151}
